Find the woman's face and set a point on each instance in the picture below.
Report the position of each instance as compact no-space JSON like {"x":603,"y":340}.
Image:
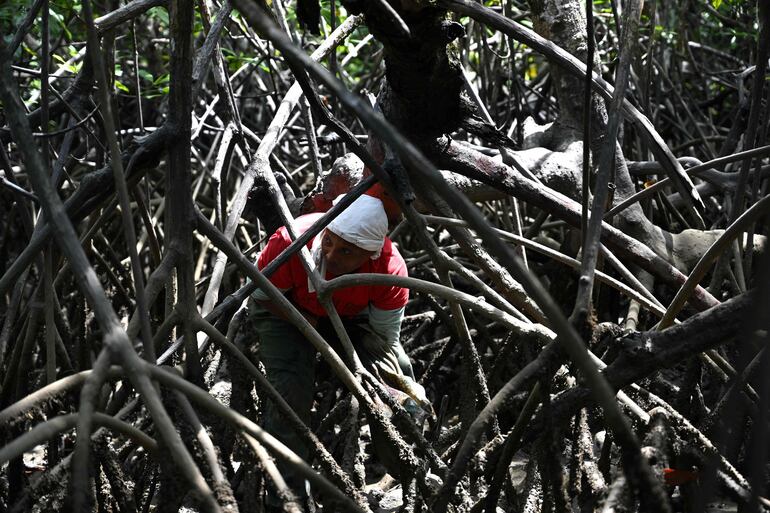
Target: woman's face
{"x":341,"y":256}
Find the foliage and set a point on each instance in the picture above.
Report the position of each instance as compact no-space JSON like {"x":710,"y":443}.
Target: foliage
{"x":470,"y":340}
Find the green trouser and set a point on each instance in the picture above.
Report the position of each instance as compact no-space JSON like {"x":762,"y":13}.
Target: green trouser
{"x":289,"y":360}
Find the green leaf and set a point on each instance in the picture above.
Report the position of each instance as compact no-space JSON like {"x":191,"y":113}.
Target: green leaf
{"x":163,"y":79}
{"x":160,"y":14}
{"x":121,"y":86}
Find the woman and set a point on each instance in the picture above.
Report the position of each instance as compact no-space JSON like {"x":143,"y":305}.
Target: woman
{"x":354,"y":242}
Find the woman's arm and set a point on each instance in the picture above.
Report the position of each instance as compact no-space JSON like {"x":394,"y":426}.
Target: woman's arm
{"x":386,"y":323}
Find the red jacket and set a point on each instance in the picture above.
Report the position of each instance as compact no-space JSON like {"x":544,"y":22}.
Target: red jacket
{"x":349,"y":301}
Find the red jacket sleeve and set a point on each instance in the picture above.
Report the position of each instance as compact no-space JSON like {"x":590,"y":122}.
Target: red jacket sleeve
{"x":279,"y":241}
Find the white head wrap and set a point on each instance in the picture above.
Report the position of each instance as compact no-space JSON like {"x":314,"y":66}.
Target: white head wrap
{"x":364,"y":223}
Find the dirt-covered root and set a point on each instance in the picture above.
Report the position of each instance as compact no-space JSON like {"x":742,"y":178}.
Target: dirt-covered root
{"x":685,"y":248}
{"x":554,"y":154}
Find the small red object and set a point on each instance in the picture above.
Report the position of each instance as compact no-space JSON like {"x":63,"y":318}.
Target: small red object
{"x":677,"y":477}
